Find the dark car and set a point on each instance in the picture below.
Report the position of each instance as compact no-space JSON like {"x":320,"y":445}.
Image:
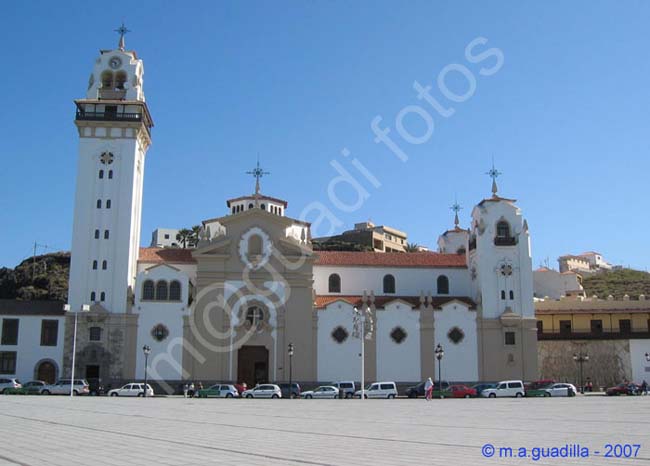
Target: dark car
{"x":479,"y":387}
{"x":95,"y":387}
{"x":418,"y":390}
{"x":295,"y":390}
{"x":623,"y":389}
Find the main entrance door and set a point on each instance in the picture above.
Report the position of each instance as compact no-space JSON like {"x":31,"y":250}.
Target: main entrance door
{"x":253,"y":365}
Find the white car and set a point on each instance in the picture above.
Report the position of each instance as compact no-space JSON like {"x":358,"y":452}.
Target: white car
{"x":263,"y":391}
{"x":507,"y":388}
{"x":131,"y":389}
{"x":9,"y":383}
{"x":324,"y":391}
{"x":62,"y":387}
{"x":379,"y":390}
{"x":561,"y":389}
{"x":348,"y":388}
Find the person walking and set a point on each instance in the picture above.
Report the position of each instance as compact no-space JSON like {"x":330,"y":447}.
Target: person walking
{"x":190,"y":392}
{"x":428,"y":389}
{"x":644,"y":387}
{"x":186,"y":388}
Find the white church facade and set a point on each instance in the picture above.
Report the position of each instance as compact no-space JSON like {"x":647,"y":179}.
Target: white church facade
{"x":227,"y":309}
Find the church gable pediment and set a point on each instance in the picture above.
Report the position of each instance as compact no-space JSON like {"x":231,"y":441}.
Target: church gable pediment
{"x":215,"y":248}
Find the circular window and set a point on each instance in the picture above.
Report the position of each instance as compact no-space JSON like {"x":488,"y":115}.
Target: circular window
{"x":339,"y":334}
{"x":254,"y":315}
{"x":106,"y":158}
{"x":455,"y":335}
{"x":159,"y":332}
{"x":398,"y":335}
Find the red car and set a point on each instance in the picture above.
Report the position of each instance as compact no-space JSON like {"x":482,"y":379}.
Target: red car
{"x":459,"y":391}
{"x":623,"y":389}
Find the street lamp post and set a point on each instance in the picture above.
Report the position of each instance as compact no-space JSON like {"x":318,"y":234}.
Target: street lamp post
{"x":362,"y":331}
{"x":581,"y":358}
{"x":439,"y":352}
{"x":146,"y":349}
{"x":66,"y":308}
{"x":290,"y":350}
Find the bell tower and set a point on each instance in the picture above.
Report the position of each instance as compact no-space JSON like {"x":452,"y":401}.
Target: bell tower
{"x":114,"y":128}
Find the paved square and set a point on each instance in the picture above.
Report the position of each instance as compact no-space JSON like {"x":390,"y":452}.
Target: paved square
{"x":176,"y":431}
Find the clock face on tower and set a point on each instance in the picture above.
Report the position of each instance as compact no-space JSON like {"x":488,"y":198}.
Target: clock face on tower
{"x":115,"y":63}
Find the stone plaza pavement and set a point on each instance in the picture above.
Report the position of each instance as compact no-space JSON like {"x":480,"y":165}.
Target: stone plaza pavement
{"x":175,"y":431}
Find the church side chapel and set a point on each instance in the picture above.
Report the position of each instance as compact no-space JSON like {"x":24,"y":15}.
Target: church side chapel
{"x":228,"y":309}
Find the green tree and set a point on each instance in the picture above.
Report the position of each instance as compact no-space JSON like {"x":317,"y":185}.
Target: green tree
{"x":412,"y":247}
{"x":184,"y":237}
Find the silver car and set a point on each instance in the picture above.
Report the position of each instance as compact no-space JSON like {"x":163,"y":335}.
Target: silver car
{"x":9,"y":383}
{"x":62,"y":387}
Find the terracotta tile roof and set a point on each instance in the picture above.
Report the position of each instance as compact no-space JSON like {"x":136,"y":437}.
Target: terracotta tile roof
{"x":262,"y":198}
{"x":166,"y":255}
{"x":380,"y":301}
{"x":390,"y":259}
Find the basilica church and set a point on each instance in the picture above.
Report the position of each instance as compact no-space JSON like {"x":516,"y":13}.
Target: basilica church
{"x":229,"y":308}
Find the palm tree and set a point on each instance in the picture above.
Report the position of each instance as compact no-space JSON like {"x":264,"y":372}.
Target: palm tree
{"x":184,"y":237}
{"x":412,"y":247}
{"x":194,"y":236}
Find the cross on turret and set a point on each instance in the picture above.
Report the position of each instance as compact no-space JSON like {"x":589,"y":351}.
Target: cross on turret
{"x":122,"y":31}
{"x":455,"y":208}
{"x":494,"y":174}
{"x":257,"y":173}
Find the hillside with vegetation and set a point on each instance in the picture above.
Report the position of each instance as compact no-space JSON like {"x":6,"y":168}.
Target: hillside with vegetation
{"x":618,"y":283}
{"x":37,"y":278}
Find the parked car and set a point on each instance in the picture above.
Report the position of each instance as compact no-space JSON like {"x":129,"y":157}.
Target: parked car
{"x":62,"y":387}
{"x":623,"y":389}
{"x":479,"y":387}
{"x":538,"y":384}
{"x":30,"y":388}
{"x":95,"y":387}
{"x":9,"y":383}
{"x":533,"y":390}
{"x":561,"y":389}
{"x":418,"y":390}
{"x":295,"y":390}
{"x":459,"y":391}
{"x":379,"y":390}
{"x":504,"y":389}
{"x":347,"y":387}
{"x":131,"y":389}
{"x":324,"y":391}
{"x":218,"y":391}
{"x":263,"y":391}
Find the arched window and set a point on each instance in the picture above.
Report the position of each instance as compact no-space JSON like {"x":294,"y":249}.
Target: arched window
{"x":94,"y":265}
{"x":175,"y":291}
{"x":106,"y":234}
{"x":233,"y":210}
{"x":250,"y":206}
{"x":93,"y":297}
{"x":104,"y":265}
{"x":110,"y":174}
{"x":389,"y":284}
{"x":148,"y":293}
{"x":334,"y":283}
{"x":255,"y":245}
{"x":512,"y":295}
{"x":503,"y":294}
{"x":96,"y":234}
{"x":99,"y":203}
{"x":161,"y":291}
{"x":503,"y":229}
{"x":443,"y":284}
{"x":102,"y":296}
{"x":101,"y":174}
{"x":254,"y":315}
{"x":107,"y":79}
{"x":263,"y":207}
{"x":280,"y":211}
{"x":108,"y":204}
{"x":120,"y":79}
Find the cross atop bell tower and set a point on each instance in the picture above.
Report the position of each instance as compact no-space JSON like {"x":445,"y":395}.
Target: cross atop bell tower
{"x":494,"y":174}
{"x":257,"y":173}
{"x":122,"y":30}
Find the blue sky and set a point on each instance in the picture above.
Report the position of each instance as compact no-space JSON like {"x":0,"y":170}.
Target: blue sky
{"x":565,"y":117}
